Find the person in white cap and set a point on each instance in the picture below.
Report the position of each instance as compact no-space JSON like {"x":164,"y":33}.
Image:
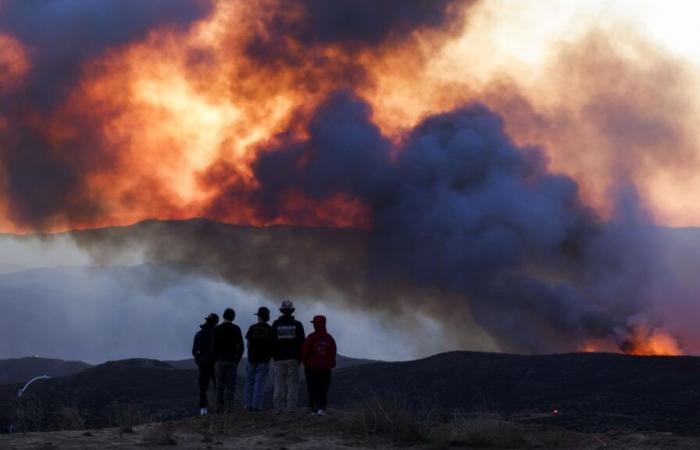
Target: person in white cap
{"x":288,"y":341}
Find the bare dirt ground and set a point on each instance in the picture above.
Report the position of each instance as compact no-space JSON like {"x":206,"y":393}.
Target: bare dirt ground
{"x":340,"y":431}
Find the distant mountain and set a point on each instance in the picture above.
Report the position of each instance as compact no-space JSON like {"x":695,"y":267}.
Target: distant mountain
{"x":21,"y":370}
{"x":592,"y":392}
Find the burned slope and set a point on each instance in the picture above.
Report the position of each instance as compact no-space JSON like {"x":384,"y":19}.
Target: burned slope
{"x":119,"y":393}
{"x":592,"y":392}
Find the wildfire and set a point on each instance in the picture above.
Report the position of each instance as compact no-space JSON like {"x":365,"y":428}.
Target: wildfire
{"x":640,"y":340}
{"x":651,"y":341}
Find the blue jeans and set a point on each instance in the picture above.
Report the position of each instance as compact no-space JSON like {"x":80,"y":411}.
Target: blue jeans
{"x":254,"y":385}
{"x":225,"y":385}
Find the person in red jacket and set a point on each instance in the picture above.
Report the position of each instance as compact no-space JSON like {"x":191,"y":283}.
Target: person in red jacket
{"x":318,"y":356}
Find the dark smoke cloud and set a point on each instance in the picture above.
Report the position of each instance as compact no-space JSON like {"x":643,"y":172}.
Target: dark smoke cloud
{"x":353,"y":22}
{"x":462,"y":209}
{"x":299,"y":33}
{"x":464,"y":223}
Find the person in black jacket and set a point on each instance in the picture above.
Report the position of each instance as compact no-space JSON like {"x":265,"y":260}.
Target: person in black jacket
{"x":201,"y":350}
{"x":227,"y":348}
{"x":286,"y":352}
{"x":260,"y":337}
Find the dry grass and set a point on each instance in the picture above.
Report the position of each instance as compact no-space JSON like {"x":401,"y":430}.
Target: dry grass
{"x":391,"y":419}
{"x":386,"y":417}
{"x":162,"y":434}
{"x":27,"y":414}
{"x":482,"y":431}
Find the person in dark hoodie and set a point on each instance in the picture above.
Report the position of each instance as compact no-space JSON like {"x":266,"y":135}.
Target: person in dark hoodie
{"x":319,"y":354}
{"x":286,"y":352}
{"x":201,"y":350}
{"x":260,"y":338}
{"x":227,"y":348}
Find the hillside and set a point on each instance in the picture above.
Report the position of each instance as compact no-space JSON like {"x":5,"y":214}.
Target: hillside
{"x":592,"y":392}
{"x":19,"y":370}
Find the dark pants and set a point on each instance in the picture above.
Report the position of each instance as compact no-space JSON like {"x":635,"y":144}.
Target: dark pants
{"x":206,"y":374}
{"x":226,"y":374}
{"x":317,"y":383}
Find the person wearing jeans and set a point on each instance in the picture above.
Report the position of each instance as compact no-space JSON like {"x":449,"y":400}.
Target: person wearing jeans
{"x":319,"y":355}
{"x":227,"y":348}
{"x":288,"y":341}
{"x":201,"y":350}
{"x":260,"y":339}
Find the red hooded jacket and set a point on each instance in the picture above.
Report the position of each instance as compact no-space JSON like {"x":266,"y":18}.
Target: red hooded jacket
{"x":319,"y":348}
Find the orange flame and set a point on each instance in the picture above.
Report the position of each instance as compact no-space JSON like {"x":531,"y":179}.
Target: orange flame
{"x":642,"y":340}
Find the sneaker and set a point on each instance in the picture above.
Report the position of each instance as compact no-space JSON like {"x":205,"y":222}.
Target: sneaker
{"x":204,"y":412}
{"x":321,"y":412}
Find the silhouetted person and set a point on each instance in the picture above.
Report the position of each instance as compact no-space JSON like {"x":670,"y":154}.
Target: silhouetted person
{"x":286,"y":351}
{"x":319,"y":354}
{"x":227,"y":347}
{"x":260,"y":337}
{"x":201,"y":350}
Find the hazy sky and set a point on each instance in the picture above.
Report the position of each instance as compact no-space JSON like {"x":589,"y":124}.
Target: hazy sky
{"x":70,"y":309}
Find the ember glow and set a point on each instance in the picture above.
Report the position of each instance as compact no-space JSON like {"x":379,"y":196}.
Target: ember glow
{"x":321,"y":113}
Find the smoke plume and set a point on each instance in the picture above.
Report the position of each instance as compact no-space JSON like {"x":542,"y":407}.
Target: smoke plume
{"x":420,"y":192}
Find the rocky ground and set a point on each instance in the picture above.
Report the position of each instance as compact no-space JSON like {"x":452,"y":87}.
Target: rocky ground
{"x":341,"y":430}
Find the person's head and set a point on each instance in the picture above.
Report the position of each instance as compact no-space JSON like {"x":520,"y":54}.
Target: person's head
{"x":263,"y":314}
{"x":211,"y":319}
{"x":287,"y":307}
{"x":229,"y":315}
{"x":319,"y":323}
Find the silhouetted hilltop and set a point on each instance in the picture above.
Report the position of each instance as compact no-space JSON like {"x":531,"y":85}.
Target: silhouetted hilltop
{"x":19,"y":370}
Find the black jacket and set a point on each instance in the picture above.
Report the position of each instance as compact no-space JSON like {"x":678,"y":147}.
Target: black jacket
{"x":260,"y":338}
{"x":227,"y":344}
{"x":201,"y":347}
{"x":289,"y":338}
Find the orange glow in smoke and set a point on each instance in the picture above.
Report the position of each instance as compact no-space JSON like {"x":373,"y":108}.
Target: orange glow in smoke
{"x":183,"y":114}
{"x":641,"y":341}
{"x":645,"y":341}
{"x":14,"y":63}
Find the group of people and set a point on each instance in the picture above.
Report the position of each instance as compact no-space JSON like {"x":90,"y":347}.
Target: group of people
{"x":218,"y":349}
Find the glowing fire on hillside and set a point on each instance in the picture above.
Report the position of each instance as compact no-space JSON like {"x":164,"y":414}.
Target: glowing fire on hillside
{"x":641,"y":340}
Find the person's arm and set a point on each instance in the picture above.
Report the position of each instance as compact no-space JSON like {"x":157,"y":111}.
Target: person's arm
{"x":213,"y":347}
{"x":301,"y":336}
{"x":274,"y":344}
{"x":195,"y":346}
{"x":239,"y":344}
{"x":306,"y":350}
{"x":334,"y":350}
